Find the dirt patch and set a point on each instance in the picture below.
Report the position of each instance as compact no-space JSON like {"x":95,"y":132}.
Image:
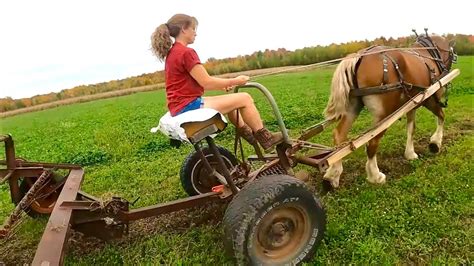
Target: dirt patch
{"x":395,"y":166}
{"x":21,"y":252}
{"x":172,"y":223}
{"x":16,"y":252}
{"x":451,"y":134}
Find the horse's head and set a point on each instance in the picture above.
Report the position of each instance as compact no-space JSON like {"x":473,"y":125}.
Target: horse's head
{"x":443,"y":50}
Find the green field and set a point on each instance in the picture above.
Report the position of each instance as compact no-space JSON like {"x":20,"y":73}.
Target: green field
{"x":423,"y":214}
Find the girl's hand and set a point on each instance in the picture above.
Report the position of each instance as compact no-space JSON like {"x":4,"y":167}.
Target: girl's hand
{"x":242,"y":79}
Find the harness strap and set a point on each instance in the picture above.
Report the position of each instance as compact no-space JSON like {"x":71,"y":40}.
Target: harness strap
{"x":431,"y":73}
{"x":356,"y":92}
{"x":385,"y":69}
{"x":433,"y":80}
{"x":397,"y":68}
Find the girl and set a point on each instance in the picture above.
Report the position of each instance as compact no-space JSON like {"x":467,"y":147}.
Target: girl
{"x":186,"y":79}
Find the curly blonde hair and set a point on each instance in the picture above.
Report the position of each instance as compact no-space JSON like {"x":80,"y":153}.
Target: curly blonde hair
{"x":161,"y":41}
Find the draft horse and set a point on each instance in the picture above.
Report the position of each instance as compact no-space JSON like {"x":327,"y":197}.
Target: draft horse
{"x":383,"y":79}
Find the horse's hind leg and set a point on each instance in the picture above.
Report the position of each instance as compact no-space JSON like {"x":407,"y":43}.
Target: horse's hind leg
{"x":410,"y":153}
{"x":373,"y":173}
{"x":340,"y":135}
{"x":379,"y":110}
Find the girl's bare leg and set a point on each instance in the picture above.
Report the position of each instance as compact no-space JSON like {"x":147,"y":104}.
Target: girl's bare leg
{"x":228,"y":104}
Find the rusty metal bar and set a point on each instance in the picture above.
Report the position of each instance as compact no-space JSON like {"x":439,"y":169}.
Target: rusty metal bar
{"x":310,"y":145}
{"x":85,"y":196}
{"x":168,"y":207}
{"x":266,"y":157}
{"x":222,"y":166}
{"x":80,"y":204}
{"x":320,"y":164}
{"x":9,"y":151}
{"x":314,"y":130}
{"x":18,"y":164}
{"x":51,"y":165}
{"x":284,"y":162}
{"x":15,"y":193}
{"x":4,"y":137}
{"x":24,"y":171}
{"x":53,"y":242}
{"x":7,"y":176}
{"x":208,"y":166}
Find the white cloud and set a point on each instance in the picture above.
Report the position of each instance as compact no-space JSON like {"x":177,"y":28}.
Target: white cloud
{"x":53,"y":45}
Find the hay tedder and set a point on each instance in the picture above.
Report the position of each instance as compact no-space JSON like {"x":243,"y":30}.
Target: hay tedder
{"x":272,"y":218}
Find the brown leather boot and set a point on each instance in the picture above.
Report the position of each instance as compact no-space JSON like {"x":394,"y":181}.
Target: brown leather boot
{"x":246,"y":133}
{"x":268,"y":139}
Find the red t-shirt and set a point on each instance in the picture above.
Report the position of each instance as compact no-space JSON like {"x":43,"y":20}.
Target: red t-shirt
{"x":181,"y":87}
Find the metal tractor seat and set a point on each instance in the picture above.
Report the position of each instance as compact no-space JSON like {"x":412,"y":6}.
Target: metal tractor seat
{"x":196,"y":131}
{"x":192,"y":126}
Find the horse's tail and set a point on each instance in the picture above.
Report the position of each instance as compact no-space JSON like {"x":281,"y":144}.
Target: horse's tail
{"x":341,"y":84}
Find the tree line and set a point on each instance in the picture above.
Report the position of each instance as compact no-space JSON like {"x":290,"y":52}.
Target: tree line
{"x":257,"y":60}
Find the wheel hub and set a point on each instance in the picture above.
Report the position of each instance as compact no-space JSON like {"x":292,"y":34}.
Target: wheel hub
{"x":281,"y":233}
{"x":205,"y":178}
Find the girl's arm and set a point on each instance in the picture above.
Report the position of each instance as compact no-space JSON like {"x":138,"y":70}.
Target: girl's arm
{"x":199,"y":73}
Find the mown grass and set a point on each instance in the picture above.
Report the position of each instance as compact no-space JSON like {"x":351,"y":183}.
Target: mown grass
{"x":423,"y":214}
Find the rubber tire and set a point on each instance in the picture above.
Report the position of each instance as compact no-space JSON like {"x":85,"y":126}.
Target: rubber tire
{"x":254,"y":201}
{"x":192,"y":164}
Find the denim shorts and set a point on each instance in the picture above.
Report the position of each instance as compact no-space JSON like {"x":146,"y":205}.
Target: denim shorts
{"x":196,"y":104}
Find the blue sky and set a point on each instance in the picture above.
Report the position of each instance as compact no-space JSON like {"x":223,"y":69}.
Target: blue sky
{"x":47,"y":45}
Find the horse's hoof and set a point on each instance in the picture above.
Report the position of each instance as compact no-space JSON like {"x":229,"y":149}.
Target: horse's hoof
{"x":380,"y":179}
{"x":332,"y":176}
{"x":334,"y":182}
{"x":327,"y":187}
{"x":434,"y":148}
{"x":411,"y":156}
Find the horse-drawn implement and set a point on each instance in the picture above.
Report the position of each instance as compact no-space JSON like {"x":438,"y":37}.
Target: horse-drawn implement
{"x":272,"y":217}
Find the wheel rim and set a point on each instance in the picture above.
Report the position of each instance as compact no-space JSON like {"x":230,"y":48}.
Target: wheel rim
{"x":203,"y":180}
{"x":282,"y":233}
{"x":44,"y":204}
